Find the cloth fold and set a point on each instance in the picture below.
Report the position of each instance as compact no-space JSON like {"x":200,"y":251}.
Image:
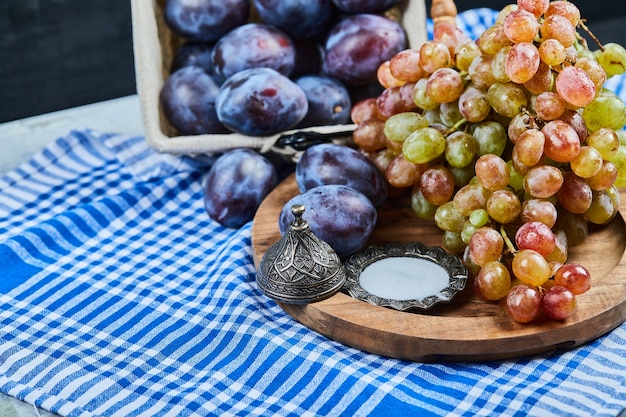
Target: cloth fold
{"x":119,"y":296}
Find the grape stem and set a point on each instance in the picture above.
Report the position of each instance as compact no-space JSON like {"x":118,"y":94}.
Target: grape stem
{"x":582,"y":24}
{"x":507,"y":241}
{"x":458,"y":125}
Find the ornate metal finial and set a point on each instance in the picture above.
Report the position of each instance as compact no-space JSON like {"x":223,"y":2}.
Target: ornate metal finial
{"x":300,"y":268}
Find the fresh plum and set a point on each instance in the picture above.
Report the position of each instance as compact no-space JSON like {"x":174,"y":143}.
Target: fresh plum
{"x":339,"y":215}
{"x":359,"y":44}
{"x":329,"y":101}
{"x":205,"y":20}
{"x":338,"y":164}
{"x":254,"y":45}
{"x":188,"y":101}
{"x":236,"y":185}
{"x":260,"y":102}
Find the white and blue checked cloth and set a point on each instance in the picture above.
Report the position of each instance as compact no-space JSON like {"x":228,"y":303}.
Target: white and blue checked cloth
{"x":120,"y":297}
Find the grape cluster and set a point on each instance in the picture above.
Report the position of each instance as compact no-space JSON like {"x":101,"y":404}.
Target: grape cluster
{"x":510,"y":143}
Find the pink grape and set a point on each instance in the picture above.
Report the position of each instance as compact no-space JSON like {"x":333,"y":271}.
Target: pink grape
{"x":522,"y":62}
{"x":492,"y":172}
{"x":552,"y":52}
{"x":566,"y":9}
{"x":536,"y":7}
{"x":520,"y":26}
{"x":434,"y":55}
{"x":486,"y":245}
{"x":559,"y":28}
{"x":528,"y":148}
{"x":493,"y":39}
{"x":575,"y":86}
{"x":549,"y":105}
{"x":493,"y":281}
{"x":445,"y":85}
{"x":605,"y":178}
{"x":543,"y":181}
{"x":562,"y":142}
{"x":530,"y":267}
{"x":437,"y":184}
{"x":535,"y":210}
{"x":574,"y":277}
{"x":523,"y":303}
{"x":558,"y":303}
{"x":541,"y":81}
{"x":536,"y":236}
{"x":405,"y":66}
{"x":451,"y":35}
{"x":575,"y":194}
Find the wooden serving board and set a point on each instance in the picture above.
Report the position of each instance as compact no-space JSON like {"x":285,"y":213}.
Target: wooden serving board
{"x":466,"y":329}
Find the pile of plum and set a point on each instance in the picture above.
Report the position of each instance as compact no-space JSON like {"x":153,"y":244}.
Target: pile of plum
{"x":261,"y":68}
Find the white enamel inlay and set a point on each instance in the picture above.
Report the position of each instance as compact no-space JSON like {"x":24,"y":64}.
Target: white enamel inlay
{"x":404,"y":278}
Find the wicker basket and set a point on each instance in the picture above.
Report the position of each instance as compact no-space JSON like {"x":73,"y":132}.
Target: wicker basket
{"x":155,"y":45}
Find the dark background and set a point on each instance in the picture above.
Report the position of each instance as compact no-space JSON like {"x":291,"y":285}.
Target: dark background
{"x":56,"y":54}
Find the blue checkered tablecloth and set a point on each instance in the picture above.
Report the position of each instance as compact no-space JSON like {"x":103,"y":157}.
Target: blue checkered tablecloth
{"x":120,"y":297}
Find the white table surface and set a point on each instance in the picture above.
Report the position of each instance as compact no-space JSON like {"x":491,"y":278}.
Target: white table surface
{"x":21,"y":139}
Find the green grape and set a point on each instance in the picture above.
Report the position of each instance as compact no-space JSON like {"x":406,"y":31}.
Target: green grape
{"x":587,"y":163}
{"x":612,"y":58}
{"x":399,"y":126}
{"x":498,"y":65}
{"x":460,"y":149}
{"x":450,"y":113}
{"x":507,"y":98}
{"x":465,"y":54}
{"x":453,"y":243}
{"x":490,"y":136}
{"x":604,"y":206}
{"x":574,"y":226}
{"x":433,"y":116}
{"x":493,"y":281}
{"x":463,"y":175}
{"x":424,"y":145}
{"x":503,"y":206}
{"x":467,"y":231}
{"x":516,"y":180}
{"x":421,"y":98}
{"x":423,"y":208}
{"x":480,"y":72}
{"x":606,"y":141}
{"x":530,"y":267}
{"x":479,"y":217}
{"x":605,"y":111}
{"x":619,"y":160}
{"x":448,"y":218}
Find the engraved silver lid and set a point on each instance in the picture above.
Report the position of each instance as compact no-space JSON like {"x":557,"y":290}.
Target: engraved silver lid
{"x":300,"y":268}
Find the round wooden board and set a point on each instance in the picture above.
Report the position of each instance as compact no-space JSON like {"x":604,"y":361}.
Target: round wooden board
{"x":466,"y":329}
